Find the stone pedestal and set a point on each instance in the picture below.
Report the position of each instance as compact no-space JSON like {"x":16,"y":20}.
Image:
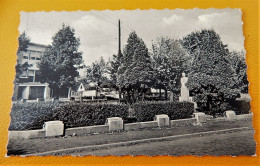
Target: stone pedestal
{"x":200,"y":117}
{"x":115,"y":123}
{"x":231,"y":115}
{"x":54,"y":128}
{"x":163,"y":120}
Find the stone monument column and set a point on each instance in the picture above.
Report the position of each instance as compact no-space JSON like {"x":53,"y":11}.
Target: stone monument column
{"x":184,"y":90}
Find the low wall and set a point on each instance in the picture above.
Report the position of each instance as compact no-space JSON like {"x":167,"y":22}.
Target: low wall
{"x":149,"y":124}
{"x":140,"y":125}
{"x":132,"y":126}
{"x":238,"y":117}
{"x":183,"y":122}
{"x":87,"y":130}
{"x":26,"y":134}
{"x":244,"y":117}
{"x":216,"y":119}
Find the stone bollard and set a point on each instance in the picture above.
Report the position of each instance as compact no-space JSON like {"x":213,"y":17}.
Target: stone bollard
{"x":163,"y":120}
{"x":115,"y":123}
{"x":231,"y":115}
{"x":53,"y":128}
{"x":200,"y":116}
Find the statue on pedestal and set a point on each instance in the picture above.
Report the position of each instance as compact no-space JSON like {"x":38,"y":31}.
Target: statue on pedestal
{"x":184,"y":90}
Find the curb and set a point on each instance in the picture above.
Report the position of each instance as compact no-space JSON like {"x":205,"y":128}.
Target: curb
{"x":127,"y":143}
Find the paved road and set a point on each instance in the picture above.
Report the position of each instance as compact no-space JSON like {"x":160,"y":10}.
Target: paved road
{"x":234,"y":143}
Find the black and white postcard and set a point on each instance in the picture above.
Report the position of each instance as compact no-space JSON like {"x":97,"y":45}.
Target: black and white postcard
{"x":131,"y":82}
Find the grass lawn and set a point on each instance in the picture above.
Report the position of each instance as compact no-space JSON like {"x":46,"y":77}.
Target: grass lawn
{"x":234,"y":144}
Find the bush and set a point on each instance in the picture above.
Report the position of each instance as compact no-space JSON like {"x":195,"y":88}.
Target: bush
{"x":146,"y":111}
{"x":240,"y":107}
{"x":26,"y":116}
{"x":89,"y":114}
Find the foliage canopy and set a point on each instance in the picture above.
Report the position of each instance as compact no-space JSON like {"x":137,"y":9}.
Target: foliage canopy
{"x":61,"y":61}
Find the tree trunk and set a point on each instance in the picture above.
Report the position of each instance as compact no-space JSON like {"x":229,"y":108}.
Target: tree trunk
{"x":80,"y":97}
{"x":120,"y":94}
{"x":57,"y":93}
{"x":96,"y":92}
{"x":171,"y":96}
{"x":165,"y":94}
{"x":160,"y":93}
{"x":51,"y":95}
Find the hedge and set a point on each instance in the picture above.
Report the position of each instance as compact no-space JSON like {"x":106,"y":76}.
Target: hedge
{"x":89,"y":114}
{"x":146,"y":111}
{"x":240,"y":107}
{"x":26,"y":116}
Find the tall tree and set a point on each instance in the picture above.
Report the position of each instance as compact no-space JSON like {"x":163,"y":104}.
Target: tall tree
{"x":170,"y":60}
{"x":237,"y":59}
{"x":23,"y":42}
{"x":135,"y":73}
{"x":113,"y":66}
{"x":61,"y":61}
{"x":211,"y":76}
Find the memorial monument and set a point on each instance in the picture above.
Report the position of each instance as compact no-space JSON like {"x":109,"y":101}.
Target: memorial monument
{"x":184,"y":90}
{"x":185,"y":96}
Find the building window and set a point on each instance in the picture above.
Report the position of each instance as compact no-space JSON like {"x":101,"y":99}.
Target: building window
{"x":31,"y":73}
{"x":38,"y":59}
{"x":24,"y":74}
{"x":32,"y":58}
{"x":25,"y":57}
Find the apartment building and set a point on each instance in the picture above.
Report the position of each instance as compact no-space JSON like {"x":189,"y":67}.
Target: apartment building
{"x":29,"y":87}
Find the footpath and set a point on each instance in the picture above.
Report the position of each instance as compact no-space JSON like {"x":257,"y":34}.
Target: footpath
{"x":70,"y":144}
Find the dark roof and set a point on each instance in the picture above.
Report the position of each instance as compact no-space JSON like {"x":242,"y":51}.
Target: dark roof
{"x":87,"y":85}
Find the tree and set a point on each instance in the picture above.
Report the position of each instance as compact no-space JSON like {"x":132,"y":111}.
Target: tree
{"x":61,"y":61}
{"x":19,"y":69}
{"x":169,"y":61}
{"x":97,"y":72}
{"x":23,"y":41}
{"x":114,"y":66}
{"x":135,"y":73}
{"x":238,"y":62}
{"x":211,"y":74}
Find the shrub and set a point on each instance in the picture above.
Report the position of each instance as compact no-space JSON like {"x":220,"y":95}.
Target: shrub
{"x":25,"y":116}
{"x":240,"y":107}
{"x":89,"y":114}
{"x":146,"y":111}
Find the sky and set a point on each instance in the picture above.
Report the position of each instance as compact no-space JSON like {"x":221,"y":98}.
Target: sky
{"x":98,"y":30}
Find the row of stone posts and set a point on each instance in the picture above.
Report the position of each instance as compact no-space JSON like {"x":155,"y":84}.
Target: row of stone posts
{"x":56,"y":128}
